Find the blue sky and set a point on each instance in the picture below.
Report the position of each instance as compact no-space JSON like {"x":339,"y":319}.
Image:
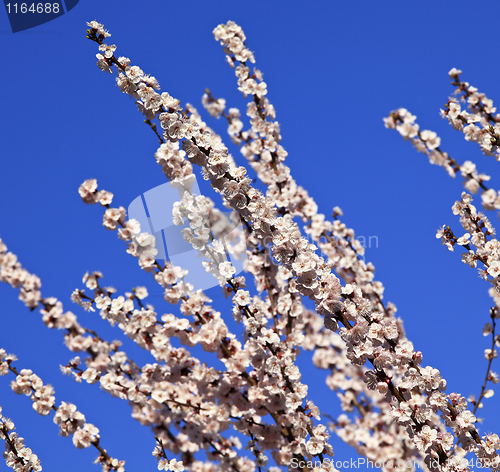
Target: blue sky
{"x":333,"y":70}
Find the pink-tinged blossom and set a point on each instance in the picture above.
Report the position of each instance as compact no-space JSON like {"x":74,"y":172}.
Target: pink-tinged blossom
{"x":465,"y":420}
{"x":88,"y":191}
{"x":68,"y":418}
{"x":492,"y":443}
{"x":402,"y":413}
{"x":490,"y":354}
{"x":108,"y":50}
{"x":90,"y":375}
{"x":293,"y":401}
{"x":242,"y":298}
{"x":176,"y":466}
{"x":85,"y":435}
{"x":431,"y":139}
{"x":314,"y":446}
{"x":226,"y":269}
{"x":425,"y":438}
{"x":494,"y":269}
{"x":105,"y":198}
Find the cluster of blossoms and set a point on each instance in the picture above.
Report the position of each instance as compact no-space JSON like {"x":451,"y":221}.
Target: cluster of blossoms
{"x":17,"y":456}
{"x":394,"y":408}
{"x":12,"y":273}
{"x":479,"y":124}
{"x":359,"y":342}
{"x":479,"y":243}
{"x":232,"y":38}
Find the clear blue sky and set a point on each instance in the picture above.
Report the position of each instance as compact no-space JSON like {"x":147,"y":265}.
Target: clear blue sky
{"x":334,"y":70}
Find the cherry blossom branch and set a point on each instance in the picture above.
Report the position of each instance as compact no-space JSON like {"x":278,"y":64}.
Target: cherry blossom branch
{"x":481,"y":111}
{"x":17,"y":456}
{"x":480,"y":228}
{"x":428,"y":142}
{"x":70,"y":421}
{"x":215,"y":107}
{"x":198,"y":156}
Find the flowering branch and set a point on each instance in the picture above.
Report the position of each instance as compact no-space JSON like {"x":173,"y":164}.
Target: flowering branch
{"x":17,"y":456}
{"x":71,"y":422}
{"x":428,"y":142}
{"x":481,"y":111}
